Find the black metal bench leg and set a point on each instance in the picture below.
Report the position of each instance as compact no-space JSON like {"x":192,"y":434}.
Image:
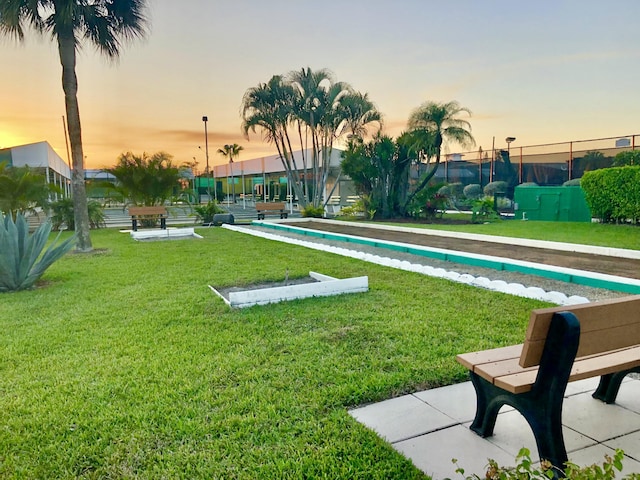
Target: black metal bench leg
{"x":489,"y":400}
{"x":546,"y":424}
{"x":609,"y":385}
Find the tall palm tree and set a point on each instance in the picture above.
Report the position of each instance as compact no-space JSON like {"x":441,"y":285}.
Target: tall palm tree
{"x":231,"y":152}
{"x":438,"y":121}
{"x":316,"y":108}
{"x":103,"y":24}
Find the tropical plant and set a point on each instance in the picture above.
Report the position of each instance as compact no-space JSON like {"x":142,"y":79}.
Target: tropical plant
{"x":147,"y":180}
{"x":23,"y":189}
{"x":62,"y":214}
{"x":23,"y":257}
{"x":526,"y":469}
{"x":231,"y":152}
{"x":205,"y":213}
{"x":317,"y":110}
{"x":483,"y":210}
{"x":432,"y":124}
{"x":102,"y":23}
{"x":430,"y":203}
{"x":629,"y":157}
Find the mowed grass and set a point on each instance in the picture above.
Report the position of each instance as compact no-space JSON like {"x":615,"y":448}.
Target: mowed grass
{"x":125,"y":365}
{"x":605,"y":235}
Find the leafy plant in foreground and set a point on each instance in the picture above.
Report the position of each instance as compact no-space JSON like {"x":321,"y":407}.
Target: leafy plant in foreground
{"x":23,"y":257}
{"x":525,"y":469}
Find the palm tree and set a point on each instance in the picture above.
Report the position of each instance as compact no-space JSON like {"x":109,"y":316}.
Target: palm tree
{"x":231,"y":152}
{"x":147,"y":179}
{"x":22,"y":189}
{"x":102,"y":23}
{"x":438,"y":121}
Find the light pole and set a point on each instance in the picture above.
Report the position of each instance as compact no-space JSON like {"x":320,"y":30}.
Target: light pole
{"x":206,"y":152}
{"x":509,"y":140}
{"x":233,"y":185}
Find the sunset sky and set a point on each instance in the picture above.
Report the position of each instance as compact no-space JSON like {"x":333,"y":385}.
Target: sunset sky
{"x":541,"y":71}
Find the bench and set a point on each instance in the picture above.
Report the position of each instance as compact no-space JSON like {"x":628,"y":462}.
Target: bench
{"x":271,"y":208}
{"x":148,"y":213}
{"x":562,"y":344}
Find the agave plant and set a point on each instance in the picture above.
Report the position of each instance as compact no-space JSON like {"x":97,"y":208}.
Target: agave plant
{"x":23,"y":257}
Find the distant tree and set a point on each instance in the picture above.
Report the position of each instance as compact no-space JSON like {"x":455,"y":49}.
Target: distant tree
{"x":231,"y":152}
{"x":379,"y":169}
{"x":440,"y":121}
{"x":147,"y":180}
{"x":23,"y":189}
{"x":101,"y":23}
{"x":629,"y":157}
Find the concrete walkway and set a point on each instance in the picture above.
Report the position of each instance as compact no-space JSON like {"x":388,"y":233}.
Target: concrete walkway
{"x":432,"y":427}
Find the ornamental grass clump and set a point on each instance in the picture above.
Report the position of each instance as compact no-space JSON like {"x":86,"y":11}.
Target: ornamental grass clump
{"x":23,"y":257}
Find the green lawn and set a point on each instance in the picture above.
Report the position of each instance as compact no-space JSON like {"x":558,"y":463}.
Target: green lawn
{"x":620,"y":236}
{"x":125,"y":364}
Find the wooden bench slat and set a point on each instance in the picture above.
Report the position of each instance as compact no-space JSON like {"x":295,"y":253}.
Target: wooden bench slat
{"x":519,"y":380}
{"x":604,"y":325}
{"x":147,"y":211}
{"x":470,"y":360}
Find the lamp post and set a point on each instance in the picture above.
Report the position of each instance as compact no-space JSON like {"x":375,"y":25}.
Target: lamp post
{"x":233,"y":185}
{"x":509,"y":140}
{"x":206,"y":152}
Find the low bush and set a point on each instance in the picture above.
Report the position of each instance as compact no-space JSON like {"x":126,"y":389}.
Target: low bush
{"x":472,"y":191}
{"x":490,"y":189}
{"x":574,"y":182}
{"x":312,"y":211}
{"x":62,"y":214}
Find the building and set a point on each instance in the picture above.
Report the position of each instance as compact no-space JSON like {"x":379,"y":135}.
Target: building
{"x":266,"y":177}
{"x":40,"y":156}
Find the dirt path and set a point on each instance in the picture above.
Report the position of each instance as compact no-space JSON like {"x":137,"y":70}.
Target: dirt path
{"x":623,"y":267}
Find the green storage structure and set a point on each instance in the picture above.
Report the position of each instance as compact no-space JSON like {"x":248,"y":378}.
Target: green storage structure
{"x":554,"y":204}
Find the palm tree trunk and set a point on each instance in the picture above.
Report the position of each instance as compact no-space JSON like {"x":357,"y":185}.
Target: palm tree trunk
{"x":67,"y":52}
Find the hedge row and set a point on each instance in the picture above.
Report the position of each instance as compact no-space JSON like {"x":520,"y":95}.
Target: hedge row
{"x":613,"y":194}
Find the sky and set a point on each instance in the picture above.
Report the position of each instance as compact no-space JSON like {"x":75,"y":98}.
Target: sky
{"x":542,"y":71}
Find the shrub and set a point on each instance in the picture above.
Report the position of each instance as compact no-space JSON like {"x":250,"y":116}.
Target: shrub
{"x":574,"y":182}
{"x":613,"y":194}
{"x":482,"y":210}
{"x":62,"y":214}
{"x":528,"y":184}
{"x":473,"y":191}
{"x":312,"y":211}
{"x":205,"y":213}
{"x":23,"y":257}
{"x":491,"y":188}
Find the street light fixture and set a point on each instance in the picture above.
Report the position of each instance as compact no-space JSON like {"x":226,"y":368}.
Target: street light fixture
{"x":206,"y":152}
{"x":509,"y":140}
